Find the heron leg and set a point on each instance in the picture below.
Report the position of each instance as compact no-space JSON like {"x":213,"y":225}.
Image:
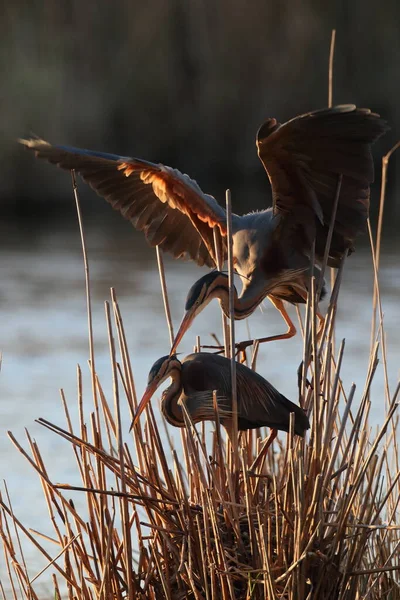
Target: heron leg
{"x":261,"y":455}
{"x":291,"y":331}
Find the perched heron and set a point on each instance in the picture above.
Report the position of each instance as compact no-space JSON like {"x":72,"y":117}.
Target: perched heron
{"x":303,"y":159}
{"x":194,"y":379}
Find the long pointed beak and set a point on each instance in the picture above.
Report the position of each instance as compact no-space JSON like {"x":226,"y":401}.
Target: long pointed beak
{"x":151,"y":388}
{"x":184,"y":326}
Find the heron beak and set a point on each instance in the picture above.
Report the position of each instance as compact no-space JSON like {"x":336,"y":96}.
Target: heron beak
{"x":151,"y":388}
{"x":184,"y":326}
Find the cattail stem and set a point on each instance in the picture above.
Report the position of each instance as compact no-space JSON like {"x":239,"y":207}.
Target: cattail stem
{"x":88,"y":296}
{"x":232,"y":321}
{"x":164,"y":291}
{"x":330,"y":70}
{"x":220,"y":266}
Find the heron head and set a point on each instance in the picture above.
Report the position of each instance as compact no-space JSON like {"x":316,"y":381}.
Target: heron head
{"x":158,"y":373}
{"x":200,"y":294}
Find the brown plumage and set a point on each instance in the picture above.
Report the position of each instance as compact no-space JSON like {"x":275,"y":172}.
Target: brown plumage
{"x":303,"y":159}
{"x":193,"y":381}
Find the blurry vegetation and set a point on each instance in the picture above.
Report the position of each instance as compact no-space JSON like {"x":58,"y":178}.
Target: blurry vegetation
{"x":186,"y":83}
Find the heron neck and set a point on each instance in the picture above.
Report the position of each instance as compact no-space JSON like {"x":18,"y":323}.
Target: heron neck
{"x":243,"y":305}
{"x":169,"y":400}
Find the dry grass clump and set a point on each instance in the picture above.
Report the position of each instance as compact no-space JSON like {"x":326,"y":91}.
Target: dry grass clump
{"x":317,"y":519}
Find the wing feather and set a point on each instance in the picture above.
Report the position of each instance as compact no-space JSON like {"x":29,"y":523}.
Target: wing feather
{"x":303,"y":159}
{"x":168,"y":206}
{"x":259,"y":403}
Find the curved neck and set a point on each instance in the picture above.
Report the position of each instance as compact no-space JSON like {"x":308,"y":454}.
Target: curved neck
{"x":244,"y":305}
{"x":169,"y":400}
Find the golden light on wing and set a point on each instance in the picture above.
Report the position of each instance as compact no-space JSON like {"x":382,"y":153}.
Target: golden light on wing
{"x":167,"y":206}
{"x":181,"y":195}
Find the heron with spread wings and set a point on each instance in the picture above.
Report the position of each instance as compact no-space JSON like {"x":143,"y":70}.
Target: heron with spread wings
{"x":303,"y":159}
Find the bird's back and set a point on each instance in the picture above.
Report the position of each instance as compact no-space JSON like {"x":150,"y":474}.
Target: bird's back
{"x":259,"y":403}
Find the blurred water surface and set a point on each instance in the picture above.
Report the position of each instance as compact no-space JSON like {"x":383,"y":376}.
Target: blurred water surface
{"x":43,"y":337}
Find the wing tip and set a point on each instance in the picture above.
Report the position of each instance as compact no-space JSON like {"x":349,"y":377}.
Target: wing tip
{"x":266,"y":129}
{"x":32,"y":143}
{"x":346,"y":108}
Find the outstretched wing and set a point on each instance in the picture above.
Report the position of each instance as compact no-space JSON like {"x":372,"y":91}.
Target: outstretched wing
{"x":168,"y":206}
{"x":303,"y":159}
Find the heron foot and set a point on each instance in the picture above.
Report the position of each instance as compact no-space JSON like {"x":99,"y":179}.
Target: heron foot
{"x":219,"y":349}
{"x":240,"y":347}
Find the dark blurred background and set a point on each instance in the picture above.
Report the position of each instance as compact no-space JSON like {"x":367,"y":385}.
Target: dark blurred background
{"x":185,"y":83}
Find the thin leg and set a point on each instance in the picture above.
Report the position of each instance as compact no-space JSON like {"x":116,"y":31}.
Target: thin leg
{"x":283,"y":336}
{"x":260,"y":458}
{"x":240,"y":353}
{"x":291,"y":331}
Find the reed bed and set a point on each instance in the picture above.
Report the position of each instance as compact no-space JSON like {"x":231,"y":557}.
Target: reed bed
{"x":318,"y":518}
{"x":203,"y":519}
